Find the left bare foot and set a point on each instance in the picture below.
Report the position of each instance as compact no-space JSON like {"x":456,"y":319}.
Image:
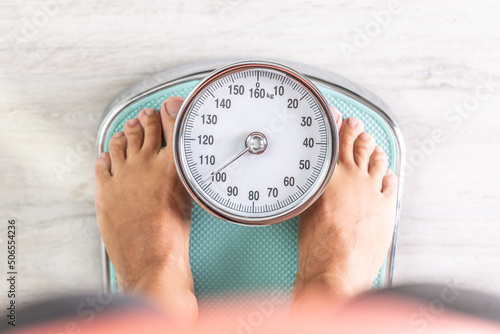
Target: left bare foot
{"x":144,"y":212}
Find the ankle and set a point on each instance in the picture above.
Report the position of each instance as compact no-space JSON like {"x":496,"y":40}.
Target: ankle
{"x":325,"y":285}
{"x":170,"y":288}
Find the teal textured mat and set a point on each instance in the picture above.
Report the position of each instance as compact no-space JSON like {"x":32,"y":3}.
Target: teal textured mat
{"x":228,"y":259}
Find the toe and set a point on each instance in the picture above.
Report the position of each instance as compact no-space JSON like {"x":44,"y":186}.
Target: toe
{"x":103,"y":167}
{"x":117,"y":150}
{"x":378,"y":163}
{"x":363,"y":148}
{"x":135,"y":136}
{"x":389,"y":183}
{"x":169,"y":109}
{"x":151,"y":123}
{"x":338,"y":117}
{"x":350,"y":130}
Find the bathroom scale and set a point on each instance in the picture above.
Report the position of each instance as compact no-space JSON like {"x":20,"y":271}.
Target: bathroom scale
{"x":244,"y":217}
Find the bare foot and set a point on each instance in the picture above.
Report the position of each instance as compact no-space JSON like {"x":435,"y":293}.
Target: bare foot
{"x":344,"y":236}
{"x":144,"y":212}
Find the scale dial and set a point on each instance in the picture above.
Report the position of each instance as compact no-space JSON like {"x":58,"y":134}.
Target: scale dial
{"x":255,"y":143}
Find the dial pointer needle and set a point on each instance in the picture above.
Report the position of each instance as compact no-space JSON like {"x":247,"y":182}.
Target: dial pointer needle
{"x":230,"y":162}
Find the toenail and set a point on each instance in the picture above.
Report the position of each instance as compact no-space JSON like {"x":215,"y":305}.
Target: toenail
{"x":378,"y":149}
{"x":170,"y":107}
{"x":118,"y":134}
{"x":389,"y":171}
{"x":150,"y":112}
{"x":352,"y":122}
{"x":103,"y":154}
{"x":133,"y":121}
{"x":365,"y":136}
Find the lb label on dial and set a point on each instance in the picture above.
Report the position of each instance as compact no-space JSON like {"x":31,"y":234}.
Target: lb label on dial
{"x":255,"y":143}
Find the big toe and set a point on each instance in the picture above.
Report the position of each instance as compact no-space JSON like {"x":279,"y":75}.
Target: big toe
{"x":169,"y":110}
{"x":151,"y":123}
{"x":337,"y":115}
{"x":349,"y":132}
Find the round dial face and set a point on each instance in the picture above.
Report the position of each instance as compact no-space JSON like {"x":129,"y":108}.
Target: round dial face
{"x":255,"y":143}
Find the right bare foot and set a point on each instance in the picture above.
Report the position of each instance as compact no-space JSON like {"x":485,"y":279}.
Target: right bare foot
{"x":344,"y":236}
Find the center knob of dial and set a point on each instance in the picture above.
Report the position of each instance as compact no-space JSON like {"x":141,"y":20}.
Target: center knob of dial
{"x":256,"y":143}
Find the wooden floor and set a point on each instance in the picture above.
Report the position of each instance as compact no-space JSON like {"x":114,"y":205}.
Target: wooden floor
{"x":436,"y":63}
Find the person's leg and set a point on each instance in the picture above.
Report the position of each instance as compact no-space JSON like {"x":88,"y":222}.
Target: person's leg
{"x":144,"y":212}
{"x":345,"y":235}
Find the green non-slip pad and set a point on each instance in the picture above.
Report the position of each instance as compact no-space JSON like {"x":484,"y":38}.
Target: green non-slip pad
{"x":228,"y":259}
